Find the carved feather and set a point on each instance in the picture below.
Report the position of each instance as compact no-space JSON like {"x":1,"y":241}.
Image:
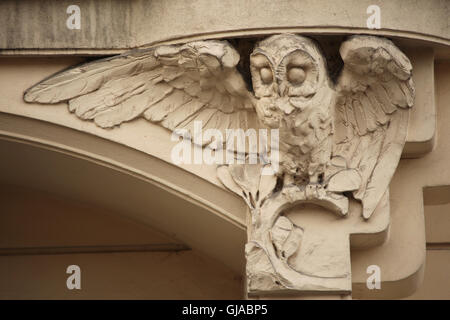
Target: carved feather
{"x":377,"y":88}
{"x":169,"y":85}
{"x":89,"y":77}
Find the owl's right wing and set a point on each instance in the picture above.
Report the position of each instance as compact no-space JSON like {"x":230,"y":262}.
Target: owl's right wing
{"x":173,"y":86}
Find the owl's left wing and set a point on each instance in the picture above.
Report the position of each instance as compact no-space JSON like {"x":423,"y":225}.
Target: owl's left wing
{"x":374,"y":94}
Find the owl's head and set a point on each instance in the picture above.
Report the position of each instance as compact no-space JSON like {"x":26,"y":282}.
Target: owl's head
{"x":288,"y":72}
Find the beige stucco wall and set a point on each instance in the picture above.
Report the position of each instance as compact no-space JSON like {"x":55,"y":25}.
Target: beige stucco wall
{"x":436,"y":281}
{"x":40,"y":233}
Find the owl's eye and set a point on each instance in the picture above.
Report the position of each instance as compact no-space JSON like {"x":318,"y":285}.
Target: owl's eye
{"x":266,"y":75}
{"x":296,"y":75}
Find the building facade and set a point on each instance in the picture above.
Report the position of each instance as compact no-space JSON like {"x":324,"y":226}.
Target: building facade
{"x":99,"y":199}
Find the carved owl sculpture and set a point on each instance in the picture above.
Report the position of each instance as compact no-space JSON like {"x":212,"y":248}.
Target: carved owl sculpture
{"x":343,"y":136}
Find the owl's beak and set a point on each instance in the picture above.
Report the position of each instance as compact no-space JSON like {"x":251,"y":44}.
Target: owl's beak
{"x":279,"y":90}
{"x":281,"y":87}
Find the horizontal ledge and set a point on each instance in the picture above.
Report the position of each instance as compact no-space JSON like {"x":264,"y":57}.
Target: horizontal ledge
{"x":160,"y":247}
{"x":37,"y":52}
{"x":441,"y":44}
{"x":304,"y":30}
{"x":438,"y":246}
{"x":117,"y":24}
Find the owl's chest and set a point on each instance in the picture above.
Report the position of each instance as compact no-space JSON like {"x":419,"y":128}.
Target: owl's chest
{"x":306,"y":130}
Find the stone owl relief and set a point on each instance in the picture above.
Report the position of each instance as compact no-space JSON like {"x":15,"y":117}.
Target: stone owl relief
{"x":339,"y":142}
